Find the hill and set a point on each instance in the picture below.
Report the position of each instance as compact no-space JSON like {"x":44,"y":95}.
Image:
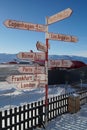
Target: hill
{"x":4,"y":57}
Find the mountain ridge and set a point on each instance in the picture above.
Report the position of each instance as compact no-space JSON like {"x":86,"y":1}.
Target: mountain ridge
{"x":6,"y":57}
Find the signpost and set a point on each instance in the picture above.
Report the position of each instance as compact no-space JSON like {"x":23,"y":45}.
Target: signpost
{"x":41,"y":47}
{"x":32,"y":80}
{"x":27,"y":85}
{"x":25,"y":26}
{"x":61,"y":37}
{"x":31,"y":56}
{"x":32,"y":69}
{"x":60,"y":63}
{"x":59,"y":16}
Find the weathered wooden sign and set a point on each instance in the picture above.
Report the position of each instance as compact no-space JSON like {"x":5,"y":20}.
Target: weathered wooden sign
{"x":31,"y":56}
{"x":59,"y":16}
{"x":61,"y":37}
{"x":20,"y":78}
{"x":41,"y":47}
{"x":28,"y":85}
{"x":24,"y":25}
{"x":60,"y":63}
{"x":26,"y":78}
{"x":32,"y":69}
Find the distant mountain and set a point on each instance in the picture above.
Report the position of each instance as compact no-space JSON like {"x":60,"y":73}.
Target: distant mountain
{"x":4,"y":57}
{"x":66,"y":57}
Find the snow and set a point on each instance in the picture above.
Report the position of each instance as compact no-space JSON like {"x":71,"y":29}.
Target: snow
{"x":11,"y":96}
{"x":77,"y":121}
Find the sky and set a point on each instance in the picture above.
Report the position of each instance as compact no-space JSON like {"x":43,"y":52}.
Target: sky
{"x":36,"y":11}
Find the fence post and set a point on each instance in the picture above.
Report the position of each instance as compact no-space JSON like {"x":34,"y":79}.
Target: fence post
{"x":40,"y":113}
{"x":0,"y":120}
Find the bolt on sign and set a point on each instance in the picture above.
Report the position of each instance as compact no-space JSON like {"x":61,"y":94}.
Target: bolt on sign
{"x":61,"y":37}
{"x":25,"y":26}
{"x":32,"y":69}
{"x":31,"y":56}
{"x":59,"y":16}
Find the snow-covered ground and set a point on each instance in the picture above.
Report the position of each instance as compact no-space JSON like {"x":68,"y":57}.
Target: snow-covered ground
{"x":77,"y":121}
{"x":12,"y":96}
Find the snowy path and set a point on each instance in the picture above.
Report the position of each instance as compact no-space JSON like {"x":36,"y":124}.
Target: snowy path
{"x":77,"y":121}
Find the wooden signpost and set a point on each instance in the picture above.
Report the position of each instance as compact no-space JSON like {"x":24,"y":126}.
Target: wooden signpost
{"x":32,"y":80}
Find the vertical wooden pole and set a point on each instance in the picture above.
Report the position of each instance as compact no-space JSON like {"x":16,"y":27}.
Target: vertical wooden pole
{"x":46,"y":86}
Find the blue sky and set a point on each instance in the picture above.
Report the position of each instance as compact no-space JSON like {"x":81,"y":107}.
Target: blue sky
{"x":36,"y":11}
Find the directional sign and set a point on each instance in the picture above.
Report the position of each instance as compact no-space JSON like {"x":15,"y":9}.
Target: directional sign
{"x":31,"y":69}
{"x":25,"y":26}
{"x":26,"y":78}
{"x":62,"y":37}
{"x":59,"y":16}
{"x":60,"y":63}
{"x":41,"y":47}
{"x":20,"y":78}
{"x":31,"y":56}
{"x":28,"y":85}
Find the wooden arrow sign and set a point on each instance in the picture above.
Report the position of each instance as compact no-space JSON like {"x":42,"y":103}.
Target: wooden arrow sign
{"x":33,"y":56}
{"x":20,"y":78}
{"x":61,"y":37}
{"x":28,"y":85}
{"x":25,"y":26}
{"x":59,"y":16}
{"x":32,"y":69}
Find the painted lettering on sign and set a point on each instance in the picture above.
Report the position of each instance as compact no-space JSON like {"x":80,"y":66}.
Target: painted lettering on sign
{"x":28,"y":85}
{"x":20,"y":78}
{"x":32,"y":69}
{"x":25,"y":26}
{"x":59,"y":16}
{"x":31,"y":56}
{"x":62,"y":37}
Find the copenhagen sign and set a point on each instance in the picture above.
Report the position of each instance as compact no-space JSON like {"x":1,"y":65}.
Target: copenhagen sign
{"x":25,"y":26}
